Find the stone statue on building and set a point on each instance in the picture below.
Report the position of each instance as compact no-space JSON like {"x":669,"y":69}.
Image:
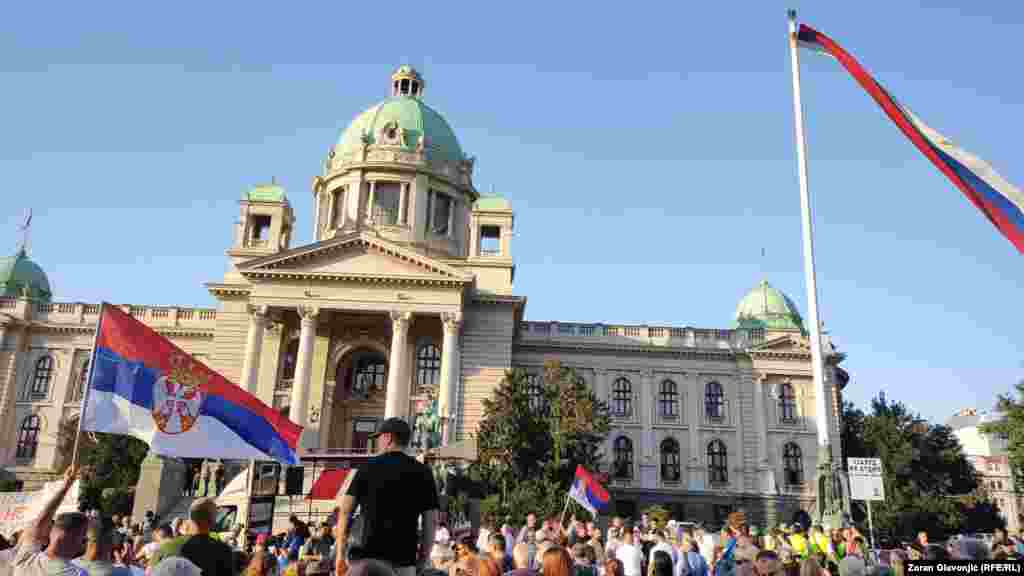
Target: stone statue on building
{"x":428,"y":427}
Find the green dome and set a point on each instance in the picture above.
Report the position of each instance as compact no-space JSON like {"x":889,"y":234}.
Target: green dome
{"x":414,"y":118}
{"x":767,"y":307}
{"x":266,"y":193}
{"x":18,"y":273}
{"x":492,"y":203}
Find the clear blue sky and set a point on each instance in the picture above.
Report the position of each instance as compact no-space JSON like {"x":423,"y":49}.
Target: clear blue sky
{"x":647,"y":149}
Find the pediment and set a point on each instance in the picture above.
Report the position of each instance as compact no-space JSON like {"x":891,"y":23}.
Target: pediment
{"x":358,"y":256}
{"x":786,"y":343}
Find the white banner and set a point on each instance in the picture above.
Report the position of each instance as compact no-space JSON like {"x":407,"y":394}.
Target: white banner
{"x":867,"y":488}
{"x":18,"y":510}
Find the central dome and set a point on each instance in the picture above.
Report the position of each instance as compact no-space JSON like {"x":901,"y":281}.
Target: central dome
{"x":406,"y":112}
{"x":765,"y":306}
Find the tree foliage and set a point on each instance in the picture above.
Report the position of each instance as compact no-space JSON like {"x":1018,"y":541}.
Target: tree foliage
{"x":1011,"y":427}
{"x":111,"y":463}
{"x":929,"y":483}
{"x":536,"y":429}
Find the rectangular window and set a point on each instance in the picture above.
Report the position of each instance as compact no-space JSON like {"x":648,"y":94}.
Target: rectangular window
{"x":385,"y":202}
{"x":490,"y":241}
{"x":442,"y":212}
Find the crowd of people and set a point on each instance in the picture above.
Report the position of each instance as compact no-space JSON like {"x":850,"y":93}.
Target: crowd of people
{"x":684,"y":549}
{"x":387,"y":525}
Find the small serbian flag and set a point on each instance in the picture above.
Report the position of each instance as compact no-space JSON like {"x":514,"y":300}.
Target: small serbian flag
{"x":144,"y":386}
{"x":1001,"y":202}
{"x":588,"y":492}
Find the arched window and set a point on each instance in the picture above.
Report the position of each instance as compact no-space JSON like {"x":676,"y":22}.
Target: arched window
{"x":371,"y":373}
{"x":787,"y":403}
{"x":714,"y":400}
{"x":291,"y":355}
{"x":81,"y":380}
{"x":535,"y":392}
{"x":428,"y":366}
{"x":28,"y":436}
{"x":718,"y":463}
{"x":668,"y":399}
{"x":670,"y":471}
{"x":623,"y":450}
{"x":41,"y":378}
{"x":793,"y":464}
{"x":622,"y":398}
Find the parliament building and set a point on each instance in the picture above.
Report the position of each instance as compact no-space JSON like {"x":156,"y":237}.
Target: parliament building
{"x":406,"y":297}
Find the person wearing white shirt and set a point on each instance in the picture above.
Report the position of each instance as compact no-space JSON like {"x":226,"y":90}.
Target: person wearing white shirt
{"x":630,"y":556}
{"x":662,"y":545}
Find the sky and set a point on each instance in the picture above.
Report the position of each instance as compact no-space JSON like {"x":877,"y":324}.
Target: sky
{"x":647,"y":149}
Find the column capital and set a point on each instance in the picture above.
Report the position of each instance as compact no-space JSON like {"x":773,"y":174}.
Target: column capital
{"x":452,"y":322}
{"x":308,"y":314}
{"x":260,"y":313}
{"x":400,"y":320}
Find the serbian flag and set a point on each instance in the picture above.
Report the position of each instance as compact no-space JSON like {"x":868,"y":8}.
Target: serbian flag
{"x":588,"y":492}
{"x":144,"y":386}
{"x":1000,"y":202}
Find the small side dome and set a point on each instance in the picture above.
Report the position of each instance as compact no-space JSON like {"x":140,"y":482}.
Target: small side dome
{"x":20,"y":276}
{"x":767,"y":307}
{"x":492,"y":203}
{"x":266,"y":193}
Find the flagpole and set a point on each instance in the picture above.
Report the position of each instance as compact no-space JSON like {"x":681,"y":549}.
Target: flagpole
{"x":88,"y":386}
{"x":831,"y":490}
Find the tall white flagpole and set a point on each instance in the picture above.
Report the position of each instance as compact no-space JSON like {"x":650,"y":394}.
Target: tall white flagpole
{"x":810,"y":277}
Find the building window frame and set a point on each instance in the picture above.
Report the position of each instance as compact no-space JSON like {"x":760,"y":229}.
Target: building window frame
{"x":42,"y":376}
{"x":671,"y":470}
{"x":714,"y":401}
{"x":28,"y":437}
{"x":622,"y":448}
{"x":668,"y":399}
{"x":787,"y":403}
{"x":535,"y":393}
{"x":622,"y":398}
{"x":428,"y":366}
{"x":793,"y":464}
{"x":718,"y":463}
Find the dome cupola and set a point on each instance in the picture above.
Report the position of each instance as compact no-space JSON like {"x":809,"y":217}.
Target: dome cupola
{"x":767,"y":307}
{"x":406,"y":81}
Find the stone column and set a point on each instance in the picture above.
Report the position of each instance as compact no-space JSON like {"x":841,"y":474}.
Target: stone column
{"x":253,"y":347}
{"x":760,"y":420}
{"x":451,"y":369}
{"x":370,"y":197}
{"x":403,"y":201}
{"x":396,"y":404}
{"x":303,"y":365}
{"x":697,"y":394}
{"x":9,"y":396}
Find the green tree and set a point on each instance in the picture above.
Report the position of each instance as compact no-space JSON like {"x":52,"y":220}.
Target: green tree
{"x":929,"y":483}
{"x":111,"y":463}
{"x":536,"y":429}
{"x":1011,"y":427}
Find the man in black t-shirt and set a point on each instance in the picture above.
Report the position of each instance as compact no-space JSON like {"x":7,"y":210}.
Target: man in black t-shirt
{"x":393,"y":491}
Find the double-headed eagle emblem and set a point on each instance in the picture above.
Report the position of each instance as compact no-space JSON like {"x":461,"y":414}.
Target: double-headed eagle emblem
{"x":178,"y":395}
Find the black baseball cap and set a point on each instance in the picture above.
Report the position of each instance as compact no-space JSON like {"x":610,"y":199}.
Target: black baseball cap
{"x":398,"y":427}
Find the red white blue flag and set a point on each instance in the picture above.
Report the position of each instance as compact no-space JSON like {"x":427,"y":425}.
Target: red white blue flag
{"x":1000,"y":202}
{"x":588,"y":492}
{"x":144,"y":386}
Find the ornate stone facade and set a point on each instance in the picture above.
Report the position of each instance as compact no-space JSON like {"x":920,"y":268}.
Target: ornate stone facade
{"x":404,"y":305}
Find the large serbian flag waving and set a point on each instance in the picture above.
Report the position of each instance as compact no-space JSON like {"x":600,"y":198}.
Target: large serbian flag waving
{"x":588,"y":492}
{"x":142,"y":385}
{"x":1000,"y":202}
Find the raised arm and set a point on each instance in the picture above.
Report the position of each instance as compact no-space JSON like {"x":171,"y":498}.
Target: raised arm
{"x":39,"y":533}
